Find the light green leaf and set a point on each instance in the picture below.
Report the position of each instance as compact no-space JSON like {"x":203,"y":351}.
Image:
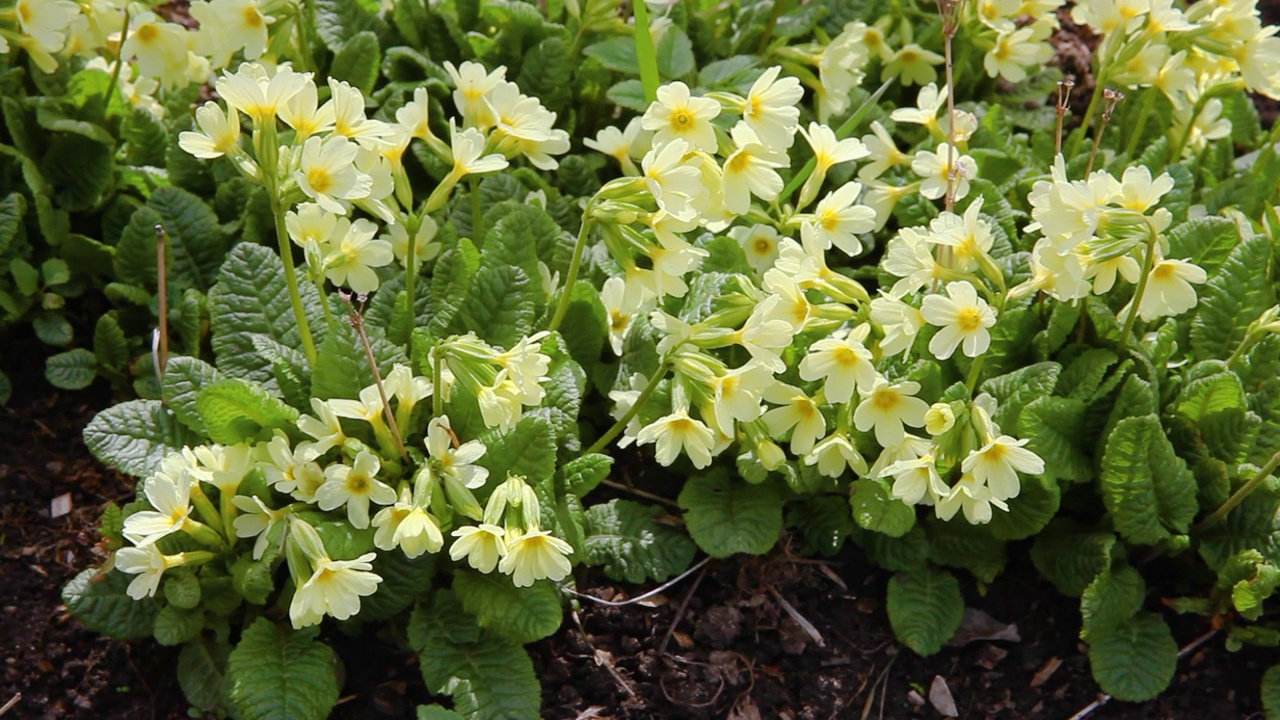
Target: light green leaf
{"x":1254,"y":525}
{"x":55,"y":271}
{"x":183,"y":379}
{"x":342,"y":369}
{"x":235,"y":410}
{"x":1111,"y":600}
{"x":726,"y":516}
{"x":1136,"y":660}
{"x":583,"y":473}
{"x":1014,"y":391}
{"x":628,"y":94}
{"x":337,"y":21}
{"x":277,"y":672}
{"x":202,"y":665}
{"x":527,"y":450}
{"x":615,"y":53}
{"x":181,"y":589}
{"x":251,"y":296}
{"x":1232,"y":299}
{"x":71,"y":370}
{"x":1071,"y":556}
{"x":1206,"y":241}
{"x":1207,"y":396}
{"x":522,"y":614}
{"x":500,"y":305}
{"x":489,"y":676}
{"x":104,"y":607}
{"x":675,"y":54}
{"x":925,"y":608}
{"x":622,"y":537}
{"x":875,"y":508}
{"x":1147,"y":488}
{"x":135,"y":436}
{"x":357,"y":61}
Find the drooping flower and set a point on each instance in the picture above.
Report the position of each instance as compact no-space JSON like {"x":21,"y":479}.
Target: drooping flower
{"x":149,"y":564}
{"x":675,"y":432}
{"x":334,"y":588}
{"x":998,"y":462}
{"x":535,"y":555}
{"x":482,"y":545}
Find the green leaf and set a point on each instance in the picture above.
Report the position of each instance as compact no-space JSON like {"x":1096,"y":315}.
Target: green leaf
{"x":875,"y":508}
{"x":175,"y":626}
{"x":1111,"y":600}
{"x":675,"y":54}
{"x":194,"y":240}
{"x":234,"y":410}
{"x":357,"y":61}
{"x":628,"y":94}
{"x":404,"y":582}
{"x":55,"y":271}
{"x":12,"y":209}
{"x":489,"y":676}
{"x":135,"y":436}
{"x":522,"y":614}
{"x":110,"y":346}
{"x":337,"y":21}
{"x":500,"y":305}
{"x":146,"y":137}
{"x":1232,"y":299}
{"x":1254,"y":524}
{"x":726,"y":516}
{"x":1054,"y":427}
{"x":342,"y":369}
{"x":1271,"y":692}
{"x":183,"y":379}
{"x":1147,"y":488}
{"x":181,"y":590}
{"x":103,"y":606}
{"x":277,"y":672}
{"x":1014,"y":391}
{"x":905,"y":553}
{"x":1031,"y":511}
{"x":616,"y":53}
{"x":526,"y":450}
{"x":6,"y":389}
{"x":583,"y":473}
{"x":79,"y":169}
{"x":1071,"y":556}
{"x":623,"y":537}
{"x":251,"y":296}
{"x":1136,"y":660}
{"x":52,"y":328}
{"x":202,"y":665}
{"x":970,"y":547}
{"x":1205,"y":241}
{"x":435,"y":712}
{"x":1207,"y":396}
{"x":925,"y":608}
{"x":71,"y":370}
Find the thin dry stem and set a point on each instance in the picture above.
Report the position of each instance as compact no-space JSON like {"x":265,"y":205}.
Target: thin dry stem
{"x":357,"y":321}
{"x":162,"y":282}
{"x":1111,"y":98}
{"x":1063,"y":106}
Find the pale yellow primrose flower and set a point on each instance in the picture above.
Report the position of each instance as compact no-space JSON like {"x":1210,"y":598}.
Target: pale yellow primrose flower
{"x":355,"y":486}
{"x":170,"y":496}
{"x":676,"y":114}
{"x":837,"y":220}
{"x":227,"y":26}
{"x":482,"y":545}
{"x":303,"y":113}
{"x":621,"y":145}
{"x":159,"y":48}
{"x":45,"y":21}
{"x":936,"y":169}
{"x":259,"y":95}
{"x":769,"y":108}
{"x":473,"y":82}
{"x":1169,"y":290}
{"x":536,"y":555}
{"x":760,"y":243}
{"x":842,"y":362}
{"x":887,"y":407}
{"x":675,"y":432}
{"x":149,"y":564}
{"x":334,"y":588}
{"x":998,"y":463}
{"x":964,"y":318}
{"x":328,"y":174}
{"x":798,"y":413}
{"x":750,"y":170}
{"x":220,"y":133}
{"x":325,"y":427}
{"x":407,"y":526}
{"x":353,"y":255}
{"x":460,"y":462}
{"x":257,"y":521}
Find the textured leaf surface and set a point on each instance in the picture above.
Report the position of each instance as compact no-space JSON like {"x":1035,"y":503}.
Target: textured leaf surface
{"x":1014,"y":391}
{"x":104,"y":607}
{"x":623,"y":538}
{"x":135,"y":436}
{"x":183,"y":378}
{"x":1271,"y":692}
{"x":234,"y":410}
{"x":195,"y":244}
{"x":875,"y":508}
{"x":71,"y":370}
{"x":526,"y":450}
{"x":277,"y":672}
{"x":342,"y":369}
{"x":522,"y":614}
{"x":1232,"y":299}
{"x":1071,"y":556}
{"x":1111,"y":600}
{"x":1147,"y":488}
{"x":925,"y":608}
{"x":1136,"y":660}
{"x":726,"y":516}
{"x":202,"y":665}
{"x":358,"y":61}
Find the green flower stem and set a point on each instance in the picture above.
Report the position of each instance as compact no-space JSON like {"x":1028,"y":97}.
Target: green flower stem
{"x":1191,"y":125}
{"x":228,"y":516}
{"x":622,"y":422}
{"x":842,"y":132}
{"x":324,"y":301}
{"x":1100,"y":84}
{"x":437,"y":383}
{"x":645,"y":54}
{"x":411,"y":272}
{"x":1137,"y":294}
{"x":115,"y":73}
{"x":1239,"y":495}
{"x":1148,"y":104}
{"x":566,"y":293}
{"x":204,"y":508}
{"x":290,"y":274}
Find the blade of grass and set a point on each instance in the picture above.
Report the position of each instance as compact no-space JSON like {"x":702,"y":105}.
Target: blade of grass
{"x":842,"y":132}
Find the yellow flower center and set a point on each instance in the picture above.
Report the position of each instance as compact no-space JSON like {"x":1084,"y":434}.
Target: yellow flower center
{"x":680,"y":426}
{"x":357,"y":483}
{"x":805,"y":407}
{"x":908,"y":57}
{"x":618,"y":322}
{"x":729,"y":385}
{"x":681,"y":120}
{"x":884,"y":399}
{"x":252,"y":18}
{"x":845,"y":356}
{"x":739,"y":162}
{"x":24,"y":12}
{"x":996,"y":452}
{"x":762,"y":246}
{"x":755,"y":108}
{"x":146,"y":33}
{"x":829,"y":220}
{"x":1164,"y":271}
{"x":969,"y":319}
{"x":320,"y":180}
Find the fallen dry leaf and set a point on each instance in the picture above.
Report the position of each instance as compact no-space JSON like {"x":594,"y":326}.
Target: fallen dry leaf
{"x":940,"y":697}
{"x":977,"y":625}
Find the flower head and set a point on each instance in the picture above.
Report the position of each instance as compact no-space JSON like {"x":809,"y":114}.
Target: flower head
{"x":964,"y":318}
{"x":334,"y":588}
{"x":676,"y":114}
{"x":535,"y":555}
{"x":355,"y":486}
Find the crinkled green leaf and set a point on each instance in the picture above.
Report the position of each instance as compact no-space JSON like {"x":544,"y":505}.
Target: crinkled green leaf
{"x":110,"y":346}
{"x":181,"y":589}
{"x":193,"y":237}
{"x":970,"y":547}
{"x":102,"y":605}
{"x":1206,"y":241}
{"x":337,"y":21}
{"x":52,"y":328}
{"x":583,"y":473}
{"x":175,"y":626}
{"x":1254,"y":524}
{"x":136,"y":435}
{"x":489,"y":676}
{"x":71,"y":370}
{"x":80,"y":170}
{"x":357,"y":61}
{"x":623,"y":537}
{"x":675,"y":54}
{"x":235,"y":410}
{"x":202,"y":665}
{"x":1233,"y":298}
{"x":1015,"y":390}
{"x":183,"y":379}
{"x":1206,"y":396}
{"x":1111,"y":600}
{"x":499,"y":306}
{"x":726,"y":516}
{"x":1030,"y":512}
{"x":925,"y":608}
{"x":875,"y":508}
{"x":404,"y":582}
{"x":277,"y":672}
{"x":1071,"y":555}
{"x":522,"y":614}
{"x":342,"y":368}
{"x":1135,"y":660}
{"x":1147,"y":488}
{"x":1054,"y":427}
{"x":1271,"y":692}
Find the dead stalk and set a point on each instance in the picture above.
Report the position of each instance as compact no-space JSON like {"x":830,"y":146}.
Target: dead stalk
{"x":1064,"y":105}
{"x":1111,"y":98}
{"x":357,"y":321}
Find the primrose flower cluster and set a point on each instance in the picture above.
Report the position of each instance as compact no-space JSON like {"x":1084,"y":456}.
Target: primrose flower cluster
{"x":279,"y":495}
{"x":333,"y":159}
{"x":1193,"y":57}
